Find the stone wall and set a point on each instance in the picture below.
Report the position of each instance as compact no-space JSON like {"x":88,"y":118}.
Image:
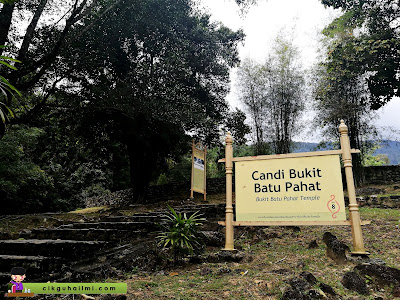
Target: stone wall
{"x":181,"y":190}
{"x":382,"y":174}
{"x":157,"y":193}
{"x":392,"y":201}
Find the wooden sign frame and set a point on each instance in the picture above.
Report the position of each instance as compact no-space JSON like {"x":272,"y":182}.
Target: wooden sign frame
{"x":198,"y":146}
{"x":355,"y":220}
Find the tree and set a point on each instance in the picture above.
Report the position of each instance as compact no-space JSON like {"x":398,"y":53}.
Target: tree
{"x":286,"y":95}
{"x":359,"y":72}
{"x":375,"y":160}
{"x":252,"y":89}
{"x":341,"y":93}
{"x":373,"y":50}
{"x":141,"y":75}
{"x":38,"y":48}
{"x":41,"y":43}
{"x":235,"y":123}
{"x":6,"y":88}
{"x":79,"y":168}
{"x":147,"y":75}
{"x":273,"y":94}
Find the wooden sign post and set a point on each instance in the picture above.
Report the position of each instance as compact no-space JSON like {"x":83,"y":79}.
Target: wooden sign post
{"x":356,"y":232}
{"x":292,"y":189}
{"x":199,"y":170}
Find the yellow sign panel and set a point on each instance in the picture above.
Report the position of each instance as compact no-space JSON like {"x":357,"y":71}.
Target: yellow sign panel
{"x":198,"y":170}
{"x":292,"y":189}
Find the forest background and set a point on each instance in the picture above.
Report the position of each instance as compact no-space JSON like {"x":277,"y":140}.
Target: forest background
{"x":104,"y":95}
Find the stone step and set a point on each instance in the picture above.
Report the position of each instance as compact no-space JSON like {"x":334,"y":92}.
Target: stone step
{"x":84,"y":234}
{"x":208,"y":208}
{"x":123,"y":258}
{"x":114,"y":225}
{"x":133,"y":218}
{"x":69,"y":249}
{"x":211,"y":210}
{"x":32,"y":264}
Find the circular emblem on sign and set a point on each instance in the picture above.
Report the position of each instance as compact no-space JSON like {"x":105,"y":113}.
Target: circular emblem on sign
{"x":333,"y":206}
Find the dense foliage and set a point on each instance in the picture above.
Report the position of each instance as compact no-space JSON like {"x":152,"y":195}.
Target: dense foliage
{"x":19,"y":174}
{"x":371,"y":47}
{"x":360,"y":71}
{"x":161,"y":78}
{"x":118,"y":88}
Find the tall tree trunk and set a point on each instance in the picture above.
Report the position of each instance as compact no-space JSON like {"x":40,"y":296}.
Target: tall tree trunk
{"x":138,"y":170}
{"x":143,"y":153}
{"x":31,"y":30}
{"x":358,"y":168}
{"x":5,"y":23}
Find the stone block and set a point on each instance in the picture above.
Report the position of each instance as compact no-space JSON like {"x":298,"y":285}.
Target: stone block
{"x":70,"y":249}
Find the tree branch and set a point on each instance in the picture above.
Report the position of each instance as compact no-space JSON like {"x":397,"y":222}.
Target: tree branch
{"x":49,"y":59}
{"x":5,"y":23}
{"x":94,"y":21}
{"x":31,"y":30}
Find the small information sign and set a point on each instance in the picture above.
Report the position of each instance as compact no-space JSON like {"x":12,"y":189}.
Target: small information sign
{"x":199,"y":154}
{"x":198,"y":170}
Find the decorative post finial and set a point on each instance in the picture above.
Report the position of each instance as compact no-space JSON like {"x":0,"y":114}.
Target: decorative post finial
{"x":228,"y":139}
{"x":343,"y":127}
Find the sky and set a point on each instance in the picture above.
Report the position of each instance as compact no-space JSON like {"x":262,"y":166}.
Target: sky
{"x":304,"y":19}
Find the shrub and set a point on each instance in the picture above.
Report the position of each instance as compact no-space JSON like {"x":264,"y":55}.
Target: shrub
{"x":180,"y":234}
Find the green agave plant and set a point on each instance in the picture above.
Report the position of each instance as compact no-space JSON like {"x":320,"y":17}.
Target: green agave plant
{"x":180,"y":234}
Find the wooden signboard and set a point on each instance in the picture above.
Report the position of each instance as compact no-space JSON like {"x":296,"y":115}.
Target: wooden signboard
{"x":292,"y":189}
